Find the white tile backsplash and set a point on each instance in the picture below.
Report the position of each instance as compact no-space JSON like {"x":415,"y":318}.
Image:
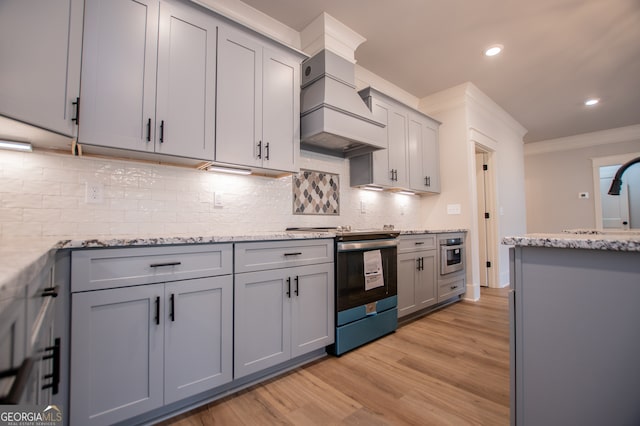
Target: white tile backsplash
{"x":43,"y":194}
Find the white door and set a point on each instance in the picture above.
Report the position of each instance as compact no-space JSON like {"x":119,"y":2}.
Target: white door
{"x":481,"y":161}
{"x":198,"y":318}
{"x":185,"y":114}
{"x":615,"y":208}
{"x":117,"y":102}
{"x":116,"y":353}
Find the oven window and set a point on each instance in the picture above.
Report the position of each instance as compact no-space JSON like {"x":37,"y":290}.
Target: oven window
{"x":350,"y":281}
{"x":453,"y":256}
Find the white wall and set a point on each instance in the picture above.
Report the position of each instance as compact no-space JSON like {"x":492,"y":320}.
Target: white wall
{"x":470,"y":117}
{"x":43,"y":194}
{"x":558,"y":170}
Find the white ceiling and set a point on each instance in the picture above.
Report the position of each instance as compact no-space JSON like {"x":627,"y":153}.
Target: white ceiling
{"x":557,"y":53}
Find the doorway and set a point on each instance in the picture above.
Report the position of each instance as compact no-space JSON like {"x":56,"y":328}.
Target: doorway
{"x":486,"y":217}
{"x":616,"y":212}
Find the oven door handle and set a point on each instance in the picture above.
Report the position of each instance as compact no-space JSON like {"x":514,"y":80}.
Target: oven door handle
{"x":367,"y":245}
{"x":457,"y":246}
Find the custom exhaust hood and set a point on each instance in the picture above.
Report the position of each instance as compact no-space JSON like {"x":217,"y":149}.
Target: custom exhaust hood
{"x":334,"y":119}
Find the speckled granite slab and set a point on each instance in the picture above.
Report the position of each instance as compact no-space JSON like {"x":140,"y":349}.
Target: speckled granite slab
{"x":430,"y":231}
{"x":588,"y":241}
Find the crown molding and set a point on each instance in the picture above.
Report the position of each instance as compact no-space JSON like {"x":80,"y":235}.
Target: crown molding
{"x":326,"y":32}
{"x":478,"y":98}
{"x":585,"y":140}
{"x":252,"y":18}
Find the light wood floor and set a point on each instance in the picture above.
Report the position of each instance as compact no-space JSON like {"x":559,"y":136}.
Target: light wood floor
{"x":448,"y":368}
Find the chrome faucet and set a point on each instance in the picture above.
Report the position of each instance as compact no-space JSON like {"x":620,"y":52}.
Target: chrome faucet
{"x":616,"y":183}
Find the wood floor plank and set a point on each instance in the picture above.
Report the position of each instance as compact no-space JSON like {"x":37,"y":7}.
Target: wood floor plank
{"x":450,"y":367}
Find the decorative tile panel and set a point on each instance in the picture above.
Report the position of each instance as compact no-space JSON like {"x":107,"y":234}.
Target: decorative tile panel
{"x":316,"y":193}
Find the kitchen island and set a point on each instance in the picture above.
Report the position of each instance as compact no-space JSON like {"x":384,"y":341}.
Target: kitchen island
{"x":575,"y":334}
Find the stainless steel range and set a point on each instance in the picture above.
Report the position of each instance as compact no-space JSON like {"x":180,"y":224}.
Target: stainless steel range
{"x":366,"y":285}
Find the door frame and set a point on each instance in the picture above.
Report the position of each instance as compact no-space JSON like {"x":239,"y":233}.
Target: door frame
{"x":598,"y":162}
{"x":491,"y":225}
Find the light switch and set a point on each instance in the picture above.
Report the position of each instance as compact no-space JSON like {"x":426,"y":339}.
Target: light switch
{"x":217,"y":199}
{"x":454,"y":208}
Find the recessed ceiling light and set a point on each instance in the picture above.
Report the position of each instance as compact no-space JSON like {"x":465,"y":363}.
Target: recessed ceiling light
{"x":591,"y":102}
{"x":493,"y":50}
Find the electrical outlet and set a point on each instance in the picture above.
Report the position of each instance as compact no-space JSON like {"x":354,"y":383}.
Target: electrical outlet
{"x":363,"y":207}
{"x":94,"y":193}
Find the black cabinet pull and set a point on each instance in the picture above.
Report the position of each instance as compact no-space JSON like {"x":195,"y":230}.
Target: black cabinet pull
{"x":297,"y":285}
{"x":149,"y":130}
{"x":289,"y":287}
{"x":427,"y":180}
{"x":162,"y":131}
{"x":266,"y":148}
{"x":158,"y":265}
{"x":55,"y":360}
{"x":157,"y":318}
{"x":50,"y":292}
{"x":417,"y":264}
{"x":453,"y":287}
{"x":76,"y":119}
{"x":260,"y":149}
{"x":419,"y":243}
{"x":172,"y":314}
{"x":297,"y":253}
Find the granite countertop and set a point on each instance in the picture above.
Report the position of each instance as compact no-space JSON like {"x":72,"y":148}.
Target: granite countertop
{"x":22,"y":259}
{"x":580,"y":239}
{"x":429,"y":231}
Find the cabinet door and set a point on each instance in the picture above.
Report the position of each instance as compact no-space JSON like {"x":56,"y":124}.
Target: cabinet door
{"x":312,"y":318}
{"x":407,"y":279}
{"x":424,"y":156}
{"x":117,"y":354}
{"x":426,"y":293}
{"x":281,"y":111}
{"x":398,"y":120}
{"x":185,"y":114}
{"x":380,"y":161}
{"x":262,"y":323}
{"x":198,"y":318}
{"x":119,"y":73}
{"x":239,"y":99}
{"x":40,"y":43}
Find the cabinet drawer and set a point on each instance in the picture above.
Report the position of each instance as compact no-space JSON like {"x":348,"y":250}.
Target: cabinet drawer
{"x":265,"y":255}
{"x":409,"y":243}
{"x":449,"y":289}
{"x":120,"y":267}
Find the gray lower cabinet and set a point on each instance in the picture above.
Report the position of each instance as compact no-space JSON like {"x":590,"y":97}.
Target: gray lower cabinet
{"x":282,"y":313}
{"x":417,"y":274}
{"x":41,"y":42}
{"x":137,"y":347}
{"x":574,"y":336}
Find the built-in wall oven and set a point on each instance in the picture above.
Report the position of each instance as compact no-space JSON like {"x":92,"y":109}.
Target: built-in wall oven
{"x":451,"y":266}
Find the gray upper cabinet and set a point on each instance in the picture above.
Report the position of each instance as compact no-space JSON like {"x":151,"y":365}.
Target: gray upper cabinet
{"x":411,"y":160}
{"x":40,"y":47}
{"x":148,"y":77}
{"x":424,"y":154}
{"x":258,"y":103}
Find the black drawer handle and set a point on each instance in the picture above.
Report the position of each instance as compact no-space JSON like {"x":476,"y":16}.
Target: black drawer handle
{"x":50,"y":292}
{"x":297,"y":253}
{"x":76,"y":119}
{"x":289,"y":287}
{"x":161,"y":131}
{"x":419,"y":243}
{"x":149,"y":130}
{"x":453,"y":287}
{"x":158,"y":265}
{"x":297,"y":279}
